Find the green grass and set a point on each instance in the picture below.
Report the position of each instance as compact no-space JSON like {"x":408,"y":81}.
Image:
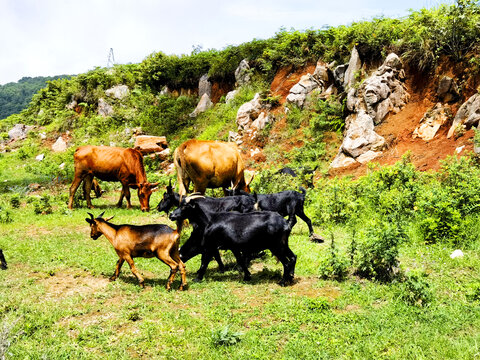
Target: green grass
{"x":56,"y":301}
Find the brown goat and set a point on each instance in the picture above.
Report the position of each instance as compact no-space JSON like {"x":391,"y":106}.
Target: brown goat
{"x":145,"y":241}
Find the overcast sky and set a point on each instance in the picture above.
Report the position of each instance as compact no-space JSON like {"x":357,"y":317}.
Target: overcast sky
{"x":54,"y":37}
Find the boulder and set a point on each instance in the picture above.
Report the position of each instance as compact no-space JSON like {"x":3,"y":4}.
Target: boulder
{"x":354,"y":66}
{"x":431,"y":122}
{"x":248,"y":112}
{"x":60,"y":145}
{"x":40,"y":157}
{"x":261,"y":121}
{"x":230,"y":96}
{"x":104,"y":109}
{"x":147,"y":144}
{"x":19,"y":131}
{"x":299,"y":91}
{"x":447,"y":90}
{"x":468,"y":114}
{"x":242,"y":73}
{"x":203,"y":105}
{"x":339,"y":74}
{"x":342,"y":160}
{"x":204,"y":86}
{"x":118,"y":92}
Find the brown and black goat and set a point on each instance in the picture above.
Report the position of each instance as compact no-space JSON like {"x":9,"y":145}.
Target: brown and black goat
{"x":146,"y":241}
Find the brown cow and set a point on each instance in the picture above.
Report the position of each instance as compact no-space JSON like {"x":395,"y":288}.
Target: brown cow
{"x":111,"y":164}
{"x":209,"y":164}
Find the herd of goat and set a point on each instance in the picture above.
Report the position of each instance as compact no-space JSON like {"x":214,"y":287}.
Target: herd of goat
{"x":244,"y":223}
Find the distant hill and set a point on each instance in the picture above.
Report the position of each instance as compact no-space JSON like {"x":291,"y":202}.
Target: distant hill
{"x":15,"y":96}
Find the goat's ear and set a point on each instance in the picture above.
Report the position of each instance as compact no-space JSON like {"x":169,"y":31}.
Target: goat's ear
{"x":90,"y":221}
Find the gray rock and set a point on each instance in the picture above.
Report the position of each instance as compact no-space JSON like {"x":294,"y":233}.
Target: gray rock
{"x":261,"y":121}
{"x":230,"y":96}
{"x":40,"y":157}
{"x":468,"y":114}
{"x":203,"y":105}
{"x":248,"y":112}
{"x":339,"y":74}
{"x":447,"y":90}
{"x":204,"y":86}
{"x":431,"y":121}
{"x":19,"y":131}
{"x":342,"y":160}
{"x":242,"y":73}
{"x":354,"y":65}
{"x":60,"y":145}
{"x":118,"y":92}
{"x":104,"y":109}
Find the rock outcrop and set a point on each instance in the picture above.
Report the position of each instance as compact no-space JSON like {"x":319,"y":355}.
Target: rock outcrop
{"x":380,"y":94}
{"x":431,"y":122}
{"x":104,"y":109}
{"x":203,"y":105}
{"x":118,"y":92}
{"x":468,"y":115}
{"x":19,"y":131}
{"x":242,"y":73}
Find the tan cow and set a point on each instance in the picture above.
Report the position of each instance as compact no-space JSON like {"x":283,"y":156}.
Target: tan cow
{"x":209,"y":164}
{"x":111,"y":164}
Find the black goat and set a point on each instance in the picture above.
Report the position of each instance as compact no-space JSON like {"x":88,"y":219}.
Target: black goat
{"x":287,"y":203}
{"x":3,"y":262}
{"x":240,"y":203}
{"x":243,"y":234}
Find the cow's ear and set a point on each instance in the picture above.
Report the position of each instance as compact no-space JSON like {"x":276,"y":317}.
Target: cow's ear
{"x":134,"y":186}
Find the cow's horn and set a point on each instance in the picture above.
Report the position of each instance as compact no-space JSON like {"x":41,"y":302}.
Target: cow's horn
{"x":251,"y":179}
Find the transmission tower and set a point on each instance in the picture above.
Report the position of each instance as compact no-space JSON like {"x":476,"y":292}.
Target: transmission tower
{"x":111,"y":58}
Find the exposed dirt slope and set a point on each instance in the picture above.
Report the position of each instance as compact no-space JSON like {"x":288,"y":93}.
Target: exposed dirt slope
{"x":397,"y":129}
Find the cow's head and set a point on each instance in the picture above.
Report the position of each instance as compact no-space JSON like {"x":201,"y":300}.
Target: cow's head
{"x":242,"y":186}
{"x":95,"y":231}
{"x":144,"y":191}
{"x":169,"y":200}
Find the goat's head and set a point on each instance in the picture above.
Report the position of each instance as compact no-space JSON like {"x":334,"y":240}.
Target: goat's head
{"x":186,"y":207}
{"x":95,"y":231}
{"x":169,"y":200}
{"x":144,"y":191}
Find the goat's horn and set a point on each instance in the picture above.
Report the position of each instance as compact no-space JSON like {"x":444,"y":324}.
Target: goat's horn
{"x":170,"y":182}
{"x":101,"y":215}
{"x":91,"y":215}
{"x":194,"y":196}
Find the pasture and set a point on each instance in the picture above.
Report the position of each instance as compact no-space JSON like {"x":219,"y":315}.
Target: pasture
{"x":56,"y":301}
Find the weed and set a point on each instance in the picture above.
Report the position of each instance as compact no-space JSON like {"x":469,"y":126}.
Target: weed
{"x":415,"y":290}
{"x":225,"y":337}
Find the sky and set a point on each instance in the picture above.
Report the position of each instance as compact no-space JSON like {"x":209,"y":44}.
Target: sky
{"x":55,"y":37}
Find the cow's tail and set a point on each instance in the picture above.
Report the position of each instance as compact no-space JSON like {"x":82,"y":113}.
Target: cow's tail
{"x":180,"y":172}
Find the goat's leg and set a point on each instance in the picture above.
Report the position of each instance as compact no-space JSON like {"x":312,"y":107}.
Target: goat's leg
{"x":305,"y":218}
{"x":135,"y":271}
{"x":218,"y":259}
{"x":288,"y":260}
{"x":241,"y":260}
{"x":117,"y":270}
{"x":206,"y":258}
{"x":182,"y":268}
{"x":166,"y":258}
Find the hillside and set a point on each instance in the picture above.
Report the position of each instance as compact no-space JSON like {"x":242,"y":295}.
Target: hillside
{"x":15,"y":96}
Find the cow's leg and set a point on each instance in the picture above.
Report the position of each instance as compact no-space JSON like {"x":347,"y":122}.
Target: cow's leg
{"x":126,"y":193}
{"x":73,"y":188}
{"x":87,"y":186}
{"x":117,"y":270}
{"x":135,"y":271}
{"x":241,"y":261}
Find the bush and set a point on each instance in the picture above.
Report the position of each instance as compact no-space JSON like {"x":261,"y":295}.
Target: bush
{"x":43,"y":206}
{"x":415,"y":290}
{"x":5,"y":216}
{"x":319,"y":304}
{"x":333,"y":265}
{"x":377,"y":249}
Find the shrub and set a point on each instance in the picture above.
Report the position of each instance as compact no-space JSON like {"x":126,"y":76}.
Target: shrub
{"x":333,"y":265}
{"x":42,"y":206}
{"x":415,"y":290}
{"x":473,"y":292}
{"x":377,"y":249}
{"x":15,"y":201}
{"x":319,"y":304}
{"x":5,"y":216}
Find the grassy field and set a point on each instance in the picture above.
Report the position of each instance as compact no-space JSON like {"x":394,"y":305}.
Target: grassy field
{"x":56,"y":301}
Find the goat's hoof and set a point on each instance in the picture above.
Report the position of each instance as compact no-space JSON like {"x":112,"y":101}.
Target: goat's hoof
{"x":183,"y":287}
{"x":247,"y":278}
{"x":142,"y":285}
{"x":112,"y":278}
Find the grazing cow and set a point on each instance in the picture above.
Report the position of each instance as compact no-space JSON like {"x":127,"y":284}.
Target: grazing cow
{"x":287,"y":203}
{"x":243,"y":234}
{"x":111,"y":164}
{"x":3,"y":262}
{"x":146,"y":241}
{"x":209,"y":164}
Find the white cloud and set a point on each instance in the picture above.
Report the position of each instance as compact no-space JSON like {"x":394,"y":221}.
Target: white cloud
{"x":52,"y":37}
